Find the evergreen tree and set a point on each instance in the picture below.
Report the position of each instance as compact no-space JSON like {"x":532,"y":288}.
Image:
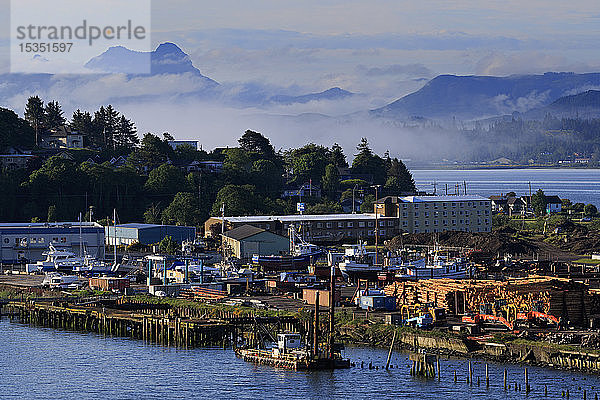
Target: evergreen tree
{"x":111,"y":125}
{"x":399,"y":178}
{"x":53,"y":115}
{"x":82,"y":122}
{"x":34,"y":114}
{"x":126,"y":133}
{"x":539,"y":202}
{"x":366,"y":162}
{"x":331,"y":181}
{"x":255,"y":142}
{"x":337,"y":157}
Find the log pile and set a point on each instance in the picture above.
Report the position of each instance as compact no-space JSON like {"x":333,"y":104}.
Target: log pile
{"x":559,"y":297}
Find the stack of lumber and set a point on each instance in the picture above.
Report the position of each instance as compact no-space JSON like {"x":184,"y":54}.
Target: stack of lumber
{"x":559,"y":297}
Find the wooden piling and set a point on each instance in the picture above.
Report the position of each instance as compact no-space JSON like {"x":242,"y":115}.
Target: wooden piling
{"x":487,"y":377}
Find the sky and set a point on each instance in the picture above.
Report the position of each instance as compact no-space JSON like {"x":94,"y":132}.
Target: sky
{"x":379,"y":49}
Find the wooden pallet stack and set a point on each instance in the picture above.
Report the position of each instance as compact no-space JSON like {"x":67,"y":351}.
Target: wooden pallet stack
{"x":559,"y":297}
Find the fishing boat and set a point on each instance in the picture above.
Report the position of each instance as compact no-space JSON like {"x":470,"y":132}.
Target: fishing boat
{"x":302,"y":254}
{"x":357,"y":263}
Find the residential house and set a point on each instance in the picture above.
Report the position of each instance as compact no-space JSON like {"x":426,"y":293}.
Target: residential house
{"x":499,"y":204}
{"x":306,"y":190}
{"x":15,"y":158}
{"x":553,"y":204}
{"x":61,"y":137}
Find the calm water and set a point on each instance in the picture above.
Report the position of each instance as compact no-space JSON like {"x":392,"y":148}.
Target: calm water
{"x":41,"y":363}
{"x":578,"y":185}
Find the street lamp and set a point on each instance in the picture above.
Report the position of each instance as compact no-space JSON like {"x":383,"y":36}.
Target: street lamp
{"x":376,"y":187}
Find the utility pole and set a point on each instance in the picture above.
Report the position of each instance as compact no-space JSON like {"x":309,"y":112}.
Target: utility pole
{"x":223,"y":229}
{"x":376,"y":222}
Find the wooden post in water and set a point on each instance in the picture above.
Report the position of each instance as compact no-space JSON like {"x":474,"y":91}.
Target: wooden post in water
{"x":505,"y":377}
{"x":389,"y":357}
{"x":487,"y":377}
{"x":316,"y":327}
{"x":526,"y":381}
{"x":437,"y":363}
{"x":470,"y":377}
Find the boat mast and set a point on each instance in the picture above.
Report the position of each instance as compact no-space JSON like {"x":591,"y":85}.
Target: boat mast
{"x":115,"y":228}
{"x":80,"y":244}
{"x":331,"y":311}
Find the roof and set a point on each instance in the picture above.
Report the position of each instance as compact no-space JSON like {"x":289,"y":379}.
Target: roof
{"x":49,"y":224}
{"x":243,"y":232}
{"x":553,"y":200}
{"x":296,"y":217}
{"x":147,"y":226}
{"x":425,"y":199}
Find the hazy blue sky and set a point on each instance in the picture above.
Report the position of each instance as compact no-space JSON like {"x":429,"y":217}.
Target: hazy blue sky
{"x":379,"y":44}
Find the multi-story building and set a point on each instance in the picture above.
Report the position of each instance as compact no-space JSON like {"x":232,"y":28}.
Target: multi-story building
{"x":392,"y":215}
{"x":438,"y":213}
{"x":28,"y":241}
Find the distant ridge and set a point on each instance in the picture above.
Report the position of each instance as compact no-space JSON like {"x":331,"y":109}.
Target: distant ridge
{"x":330,"y":94}
{"x":470,"y":97}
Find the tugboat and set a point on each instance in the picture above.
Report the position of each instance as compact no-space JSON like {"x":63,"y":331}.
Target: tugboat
{"x":290,"y":351}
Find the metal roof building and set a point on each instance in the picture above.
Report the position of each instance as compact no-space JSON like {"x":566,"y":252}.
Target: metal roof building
{"x":247,"y":240}
{"x":147,"y":234}
{"x":21,"y":242}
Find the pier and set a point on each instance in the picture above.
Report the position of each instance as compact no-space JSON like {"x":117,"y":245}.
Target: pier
{"x":155,"y":323}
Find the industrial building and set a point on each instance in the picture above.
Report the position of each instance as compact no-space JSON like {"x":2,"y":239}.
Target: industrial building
{"x":147,"y":234}
{"x":392,"y":214}
{"x":247,"y":240}
{"x":23,"y":242}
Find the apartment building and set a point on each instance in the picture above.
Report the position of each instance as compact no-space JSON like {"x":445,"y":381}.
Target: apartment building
{"x":392,"y":215}
{"x":438,"y":213}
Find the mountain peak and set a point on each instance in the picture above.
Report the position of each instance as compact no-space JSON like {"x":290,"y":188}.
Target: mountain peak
{"x":167,"y":48}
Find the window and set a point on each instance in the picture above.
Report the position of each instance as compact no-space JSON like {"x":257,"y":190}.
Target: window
{"x":416,"y":223}
{"x":416,"y":206}
{"x":453,"y":222}
{"x":435,"y":214}
{"x":55,"y":240}
{"x":319,"y":224}
{"x":426,"y":213}
{"x":404,"y":206}
{"x":467,"y":213}
{"x":426,"y":230}
{"x":487,"y":212}
{"x":371,"y":233}
{"x":426,"y":205}
{"x":426,"y":222}
{"x":435,"y":206}
{"x":479,"y":221}
{"x":382,"y":223}
{"x":382,"y":232}
{"x":460,"y":221}
{"x":445,"y":222}
{"x":435,"y":221}
{"x":361,"y":224}
{"x":445,"y":213}
{"x":460,"y":212}
{"x":404,"y":214}
{"x":453,"y":204}
{"x":416,"y":231}
{"x":41,"y":240}
{"x":445,"y":205}
{"x":350,"y":224}
{"x":454,"y":213}
{"x":487,"y":221}
{"x":371,"y":224}
{"x":340,"y":224}
{"x":404,"y":223}
{"x":416,"y":214}
{"x":329,"y":224}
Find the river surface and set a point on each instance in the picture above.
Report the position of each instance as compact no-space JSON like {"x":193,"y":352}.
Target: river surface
{"x":578,"y":185}
{"x":44,"y":363}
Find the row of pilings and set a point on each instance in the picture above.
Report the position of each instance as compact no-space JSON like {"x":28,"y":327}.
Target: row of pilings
{"x":151,"y":326}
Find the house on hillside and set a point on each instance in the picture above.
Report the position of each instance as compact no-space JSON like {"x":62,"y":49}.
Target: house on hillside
{"x":15,"y":158}
{"x":553,"y":204}
{"x":308,"y":189}
{"x":499,"y":204}
{"x":61,"y":137}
